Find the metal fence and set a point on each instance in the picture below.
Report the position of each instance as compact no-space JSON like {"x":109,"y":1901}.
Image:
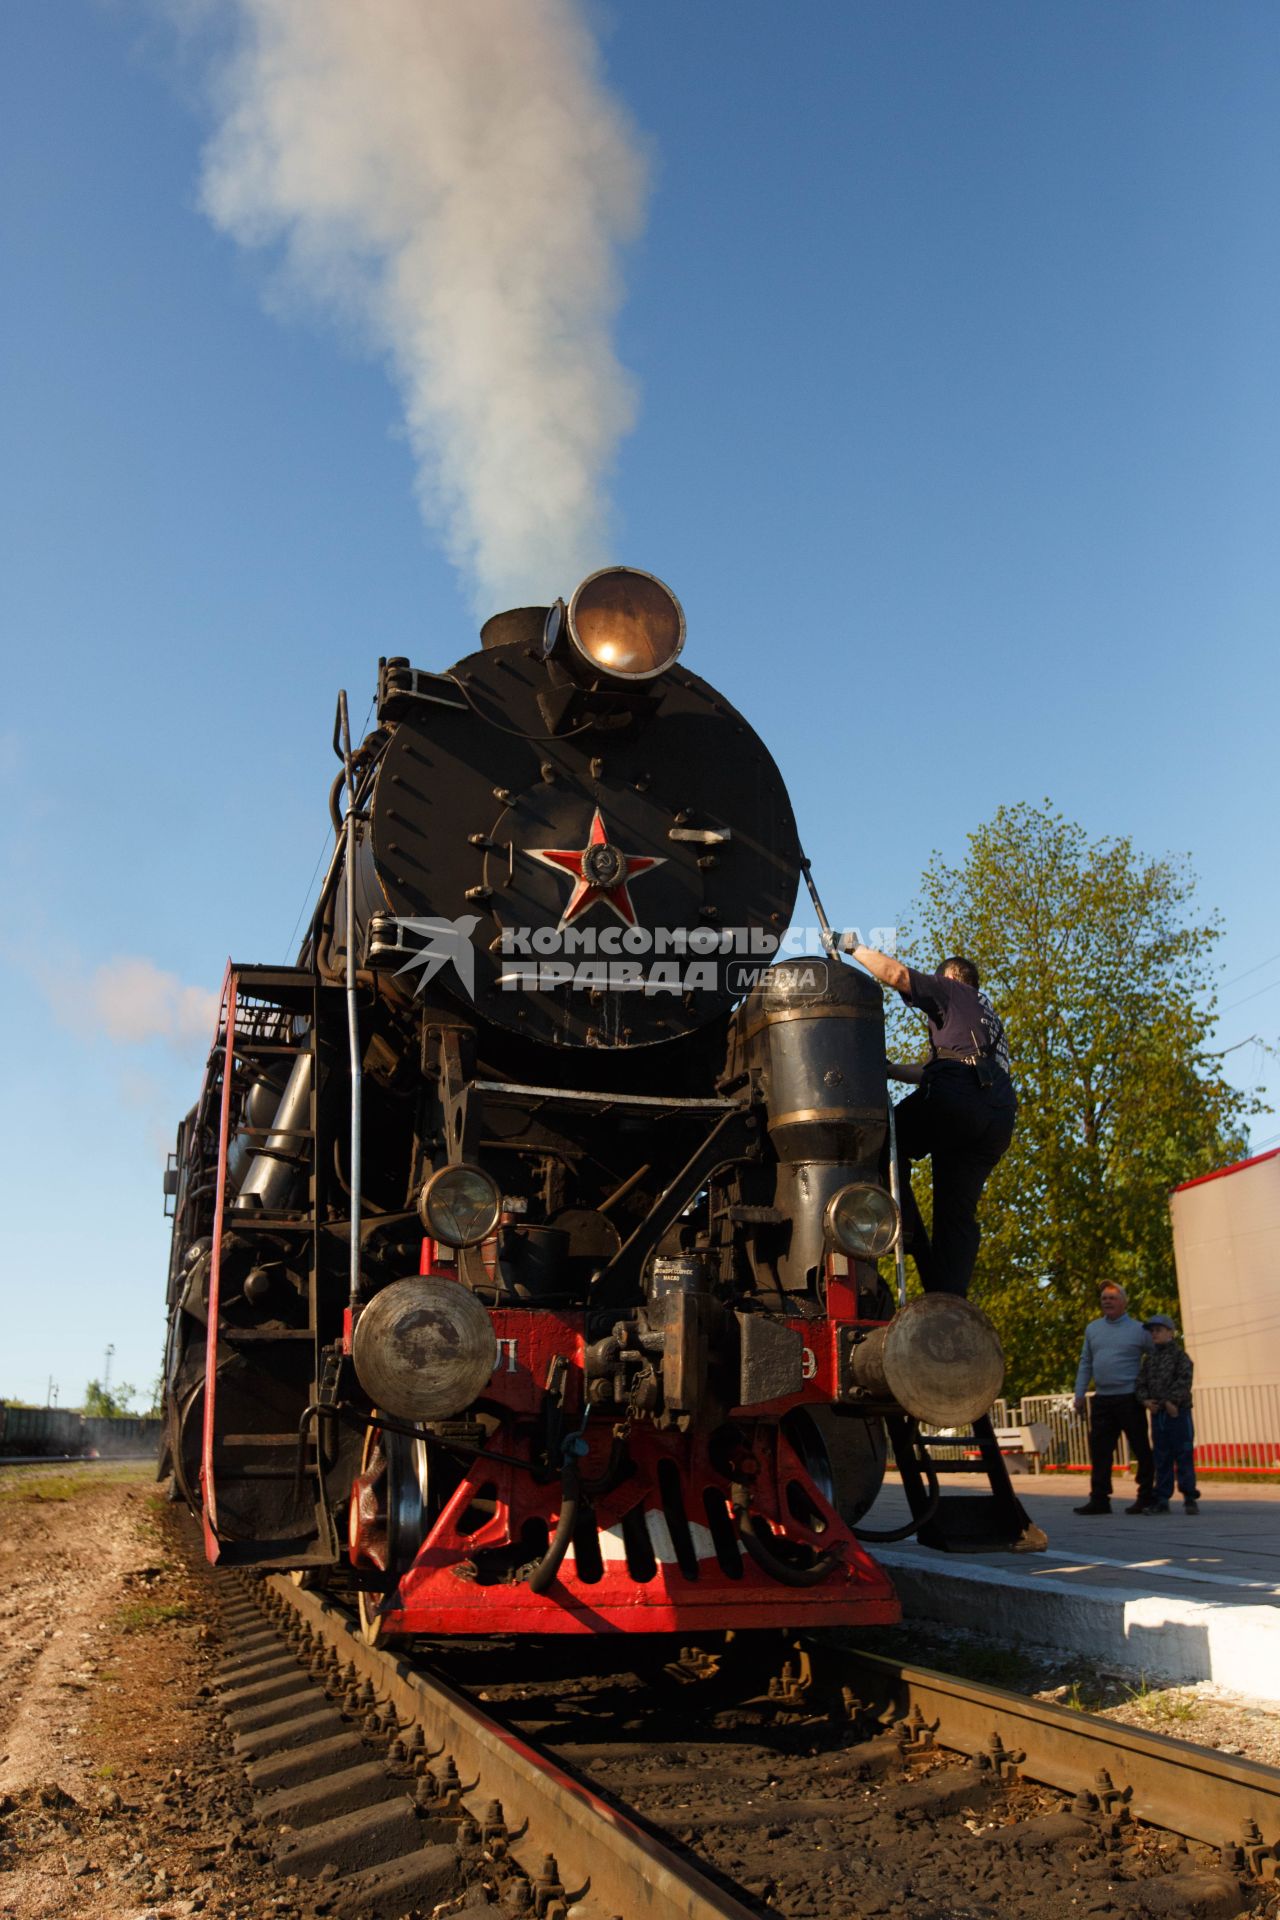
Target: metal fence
{"x":125,"y":1434}
{"x":64,"y":1430}
{"x":1236,"y":1428}
{"x":965,"y":1444}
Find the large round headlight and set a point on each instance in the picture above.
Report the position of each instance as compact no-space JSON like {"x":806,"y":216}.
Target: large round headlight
{"x":460,"y":1206}
{"x":625,"y":623}
{"x":864,"y":1221}
{"x":424,"y":1348}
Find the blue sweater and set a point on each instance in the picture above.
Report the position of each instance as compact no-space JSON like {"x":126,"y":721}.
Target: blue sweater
{"x":1110,"y":1355}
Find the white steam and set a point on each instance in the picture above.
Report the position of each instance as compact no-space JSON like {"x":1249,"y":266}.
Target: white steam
{"x":455,"y":175}
{"x":133,"y":1000}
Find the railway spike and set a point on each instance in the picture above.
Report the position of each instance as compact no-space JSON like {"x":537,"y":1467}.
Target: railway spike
{"x":1111,"y":1799}
{"x":548,"y":1883}
{"x":853,"y":1707}
{"x":444,"y":1784}
{"x":493,"y":1827}
{"x":999,"y":1759}
{"x":915,"y":1732}
{"x":1263,"y":1861}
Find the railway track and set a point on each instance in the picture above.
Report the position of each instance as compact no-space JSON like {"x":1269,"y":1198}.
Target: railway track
{"x":806,"y":1781}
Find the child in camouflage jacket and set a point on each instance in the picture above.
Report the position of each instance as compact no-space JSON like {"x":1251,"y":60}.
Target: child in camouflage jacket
{"x":1164,"y":1388}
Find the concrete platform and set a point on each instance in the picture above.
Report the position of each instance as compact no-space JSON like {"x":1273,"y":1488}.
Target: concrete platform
{"x":1173,"y":1595}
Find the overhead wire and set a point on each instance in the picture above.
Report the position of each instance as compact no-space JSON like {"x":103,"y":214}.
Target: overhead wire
{"x":309,"y":894}
{"x":1257,"y":993}
{"x":1257,"y":968}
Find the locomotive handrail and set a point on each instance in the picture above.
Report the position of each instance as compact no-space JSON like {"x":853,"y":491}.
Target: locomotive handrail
{"x":712,"y":1104}
{"x":895,"y":1189}
{"x":227,"y":1023}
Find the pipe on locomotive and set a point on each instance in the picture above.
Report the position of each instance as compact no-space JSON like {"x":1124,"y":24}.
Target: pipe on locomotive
{"x":342,"y":724}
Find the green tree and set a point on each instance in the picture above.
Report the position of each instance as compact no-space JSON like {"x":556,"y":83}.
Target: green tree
{"x":103,"y":1403}
{"x":1102,"y":970}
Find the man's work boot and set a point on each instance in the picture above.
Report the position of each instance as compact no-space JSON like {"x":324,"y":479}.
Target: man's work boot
{"x":1191,"y":1504}
{"x":1095,"y":1506}
{"x":1144,"y":1506}
{"x":1157,"y":1506}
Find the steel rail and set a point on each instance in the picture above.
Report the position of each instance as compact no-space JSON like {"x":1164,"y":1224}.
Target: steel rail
{"x":1187,"y":1789}
{"x":622,"y":1868}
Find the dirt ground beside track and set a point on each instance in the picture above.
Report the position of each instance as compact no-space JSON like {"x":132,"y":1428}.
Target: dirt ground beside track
{"x":116,"y":1800}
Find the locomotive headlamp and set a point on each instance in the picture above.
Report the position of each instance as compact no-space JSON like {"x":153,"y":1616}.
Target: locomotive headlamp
{"x":622,"y":623}
{"x":460,"y":1206}
{"x":424,"y":1348}
{"x":864,"y":1221}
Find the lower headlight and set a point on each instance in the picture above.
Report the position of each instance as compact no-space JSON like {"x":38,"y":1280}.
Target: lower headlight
{"x":460,"y":1206}
{"x":864,"y":1221}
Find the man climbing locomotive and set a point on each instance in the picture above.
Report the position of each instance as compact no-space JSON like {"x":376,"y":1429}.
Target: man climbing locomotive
{"x":962,"y":1117}
{"x":525,"y":1272}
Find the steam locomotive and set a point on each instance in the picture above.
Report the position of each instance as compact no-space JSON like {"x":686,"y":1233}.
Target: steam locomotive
{"x":528,"y":1234}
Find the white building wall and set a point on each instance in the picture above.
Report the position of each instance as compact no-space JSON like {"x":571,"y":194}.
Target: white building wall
{"x":1226,"y":1242}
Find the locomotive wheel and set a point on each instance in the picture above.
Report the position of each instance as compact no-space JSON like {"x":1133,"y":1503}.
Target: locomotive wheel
{"x":188,"y":1418}
{"x":844,"y":1456}
{"x":407,"y":1504}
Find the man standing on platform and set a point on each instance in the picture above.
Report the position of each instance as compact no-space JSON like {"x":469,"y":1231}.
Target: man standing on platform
{"x":1112,"y":1353}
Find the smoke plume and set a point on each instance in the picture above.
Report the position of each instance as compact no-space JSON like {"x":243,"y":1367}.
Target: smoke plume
{"x":132,"y":1001}
{"x":455,"y":176}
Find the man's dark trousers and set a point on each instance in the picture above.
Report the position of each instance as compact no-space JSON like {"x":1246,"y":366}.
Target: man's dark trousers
{"x":1110,"y":1415}
{"x":964,"y":1128}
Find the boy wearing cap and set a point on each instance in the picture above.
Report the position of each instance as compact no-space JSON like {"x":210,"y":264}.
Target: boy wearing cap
{"x":1164,"y":1388}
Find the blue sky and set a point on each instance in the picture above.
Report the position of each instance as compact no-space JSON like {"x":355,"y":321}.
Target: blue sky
{"x":954,"y":332}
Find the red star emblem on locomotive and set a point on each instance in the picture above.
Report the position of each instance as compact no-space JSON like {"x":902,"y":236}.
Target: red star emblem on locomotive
{"x":599,"y":871}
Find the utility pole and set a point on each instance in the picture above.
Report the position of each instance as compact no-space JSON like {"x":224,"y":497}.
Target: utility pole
{"x":106,"y":1371}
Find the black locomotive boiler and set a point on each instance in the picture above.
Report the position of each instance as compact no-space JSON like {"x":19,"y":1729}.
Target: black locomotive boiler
{"x":528,"y":1231}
